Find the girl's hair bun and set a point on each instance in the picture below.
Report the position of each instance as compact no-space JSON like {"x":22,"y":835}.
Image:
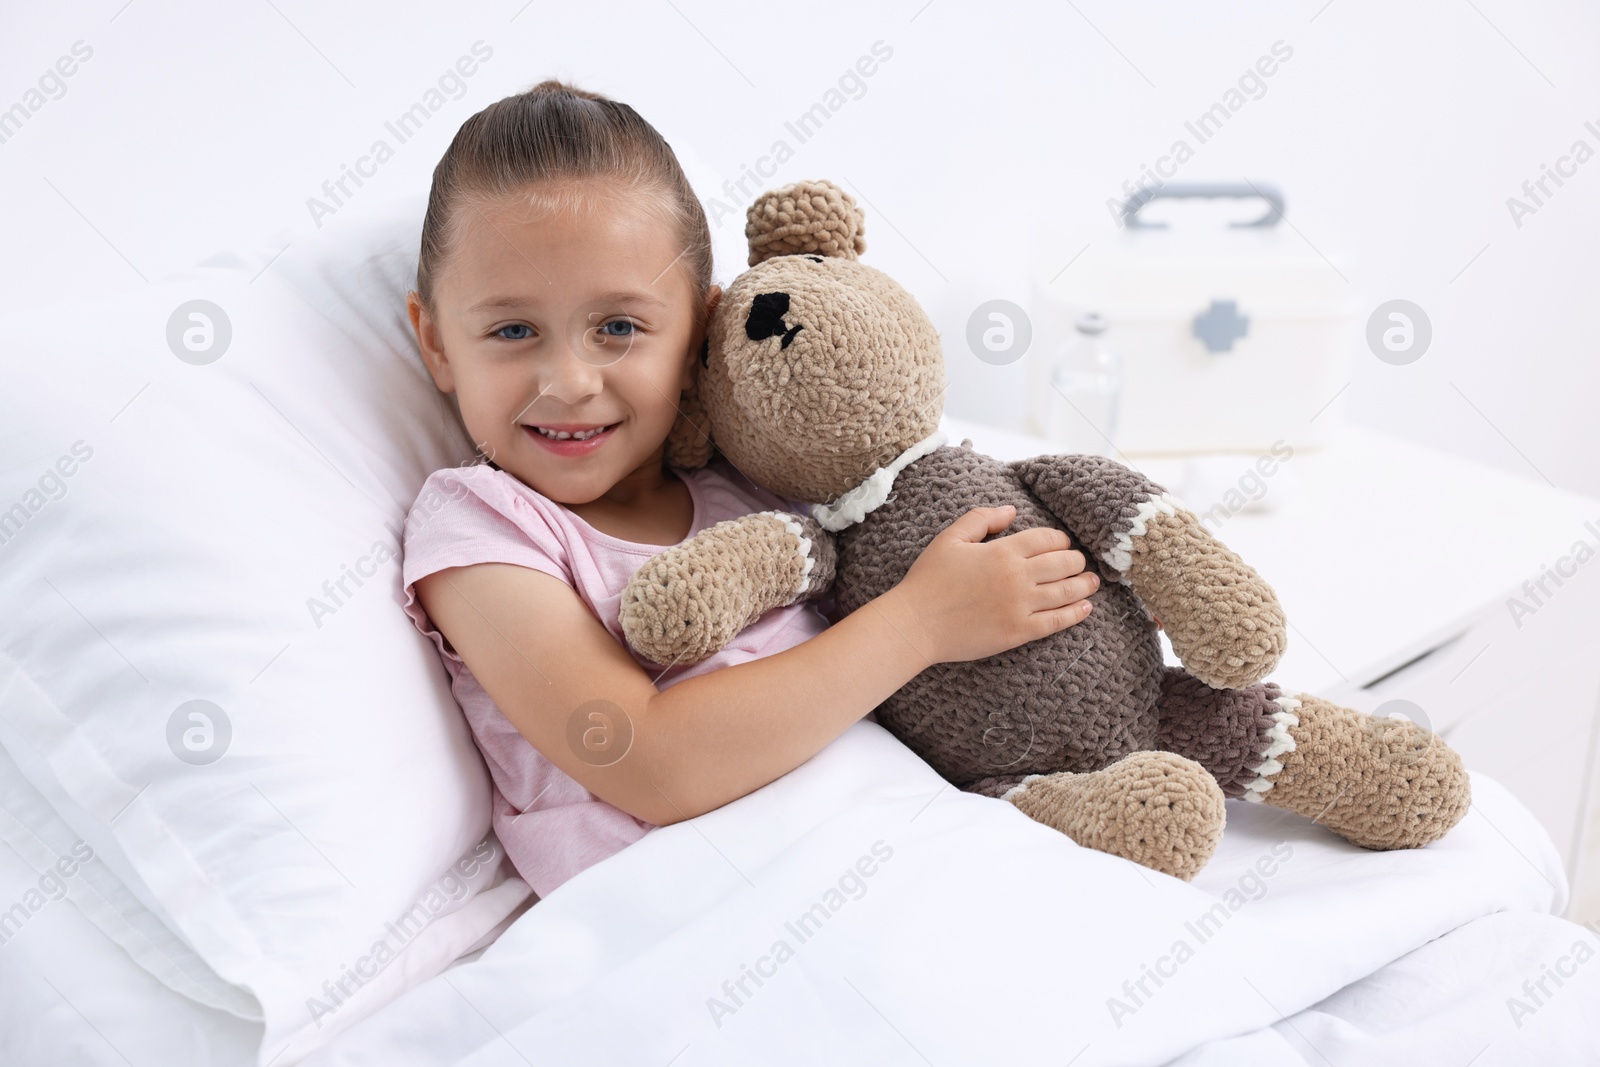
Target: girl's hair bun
{"x":815,"y":216}
{"x":561,"y":88}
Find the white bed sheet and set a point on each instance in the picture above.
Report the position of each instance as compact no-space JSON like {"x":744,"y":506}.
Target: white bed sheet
{"x":1444,"y":1002}
{"x":982,"y":937}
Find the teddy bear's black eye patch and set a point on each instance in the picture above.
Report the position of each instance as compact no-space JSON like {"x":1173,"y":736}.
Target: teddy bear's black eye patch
{"x":766,"y":315}
{"x":815,"y":259}
{"x":766,"y":318}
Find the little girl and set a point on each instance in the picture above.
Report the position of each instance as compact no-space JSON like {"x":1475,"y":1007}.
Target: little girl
{"x":562,"y":298}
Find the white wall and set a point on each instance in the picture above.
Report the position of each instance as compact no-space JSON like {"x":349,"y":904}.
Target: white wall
{"x":1396,"y":131}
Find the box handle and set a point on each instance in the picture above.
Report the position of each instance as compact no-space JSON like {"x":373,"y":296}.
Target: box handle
{"x":1205,"y":191}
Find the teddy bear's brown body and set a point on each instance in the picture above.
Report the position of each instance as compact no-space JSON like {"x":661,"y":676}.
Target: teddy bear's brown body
{"x":822,"y":381}
{"x":1077,"y":700}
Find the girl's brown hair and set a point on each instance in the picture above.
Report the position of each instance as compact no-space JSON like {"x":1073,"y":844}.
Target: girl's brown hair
{"x":558,"y":133}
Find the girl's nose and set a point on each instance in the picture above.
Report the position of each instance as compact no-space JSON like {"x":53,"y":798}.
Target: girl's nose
{"x":572,"y":379}
{"x":578,"y":370}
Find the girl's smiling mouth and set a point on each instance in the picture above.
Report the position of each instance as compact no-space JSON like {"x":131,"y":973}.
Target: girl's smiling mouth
{"x":572,"y":439}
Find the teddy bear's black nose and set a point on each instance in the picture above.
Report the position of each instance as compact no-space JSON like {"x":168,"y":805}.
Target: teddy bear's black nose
{"x":766,"y":318}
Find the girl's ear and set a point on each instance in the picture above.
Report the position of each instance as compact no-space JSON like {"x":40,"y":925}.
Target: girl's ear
{"x":697,"y":347}
{"x":689,"y":442}
{"x":428,"y":342}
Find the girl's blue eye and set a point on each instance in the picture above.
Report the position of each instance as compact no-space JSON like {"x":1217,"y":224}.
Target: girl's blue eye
{"x":626,"y":330}
{"x":523,"y":335}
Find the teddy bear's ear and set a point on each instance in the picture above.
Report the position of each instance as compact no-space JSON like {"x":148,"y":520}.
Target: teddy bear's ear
{"x":689,"y":442}
{"x":816,"y":217}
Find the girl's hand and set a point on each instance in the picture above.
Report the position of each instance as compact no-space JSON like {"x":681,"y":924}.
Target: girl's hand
{"x":966,"y":599}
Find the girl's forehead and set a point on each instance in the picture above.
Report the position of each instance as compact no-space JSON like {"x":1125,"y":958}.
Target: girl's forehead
{"x":553,"y":227}
{"x":561,"y":243}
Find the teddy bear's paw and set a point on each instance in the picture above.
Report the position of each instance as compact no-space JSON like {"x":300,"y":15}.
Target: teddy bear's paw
{"x":1224,"y":621}
{"x":1158,"y":809}
{"x":673,"y":614}
{"x":688,"y":602}
{"x":1381,"y":783}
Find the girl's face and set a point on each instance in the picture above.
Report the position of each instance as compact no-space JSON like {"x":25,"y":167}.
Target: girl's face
{"x":567,"y":316}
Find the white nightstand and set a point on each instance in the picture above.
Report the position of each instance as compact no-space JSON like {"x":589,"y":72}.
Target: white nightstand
{"x":1396,"y":564}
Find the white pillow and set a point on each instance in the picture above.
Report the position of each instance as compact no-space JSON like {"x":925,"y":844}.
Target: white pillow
{"x":202,"y":513}
{"x":51,"y":956}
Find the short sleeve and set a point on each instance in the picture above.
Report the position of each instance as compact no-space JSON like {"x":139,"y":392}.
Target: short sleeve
{"x":468,"y":515}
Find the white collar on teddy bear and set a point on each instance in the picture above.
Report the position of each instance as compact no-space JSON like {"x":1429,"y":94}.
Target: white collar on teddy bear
{"x":853,"y":506}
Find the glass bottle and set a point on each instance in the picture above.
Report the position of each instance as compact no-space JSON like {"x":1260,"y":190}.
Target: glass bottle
{"x":1085,"y":388}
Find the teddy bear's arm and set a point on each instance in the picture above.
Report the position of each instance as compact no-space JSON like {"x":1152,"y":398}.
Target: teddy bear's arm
{"x":1223,"y":619}
{"x":688,"y":602}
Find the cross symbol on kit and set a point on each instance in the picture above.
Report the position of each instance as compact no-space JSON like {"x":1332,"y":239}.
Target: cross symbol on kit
{"x":1220,"y":325}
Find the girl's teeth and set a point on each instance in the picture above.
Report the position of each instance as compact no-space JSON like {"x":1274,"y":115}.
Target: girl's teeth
{"x":562,"y":435}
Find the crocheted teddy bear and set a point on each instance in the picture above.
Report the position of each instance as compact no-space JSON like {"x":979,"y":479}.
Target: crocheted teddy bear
{"x":822,"y":380}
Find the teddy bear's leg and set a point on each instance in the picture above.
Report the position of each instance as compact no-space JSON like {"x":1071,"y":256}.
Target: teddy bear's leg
{"x":1378,"y":783}
{"x":1155,"y":808}
{"x":1229,"y":732}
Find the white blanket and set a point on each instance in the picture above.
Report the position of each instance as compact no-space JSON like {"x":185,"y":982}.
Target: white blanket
{"x":859,"y":910}
{"x":1507,"y":990}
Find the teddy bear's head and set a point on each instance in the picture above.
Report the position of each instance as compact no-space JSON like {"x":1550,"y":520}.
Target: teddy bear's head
{"x":818,"y":369}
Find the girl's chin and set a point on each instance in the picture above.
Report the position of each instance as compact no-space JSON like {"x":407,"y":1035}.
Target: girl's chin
{"x":568,"y":491}
{"x":572,"y":481}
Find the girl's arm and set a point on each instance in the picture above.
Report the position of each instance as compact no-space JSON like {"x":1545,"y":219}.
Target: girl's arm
{"x":549,"y":664}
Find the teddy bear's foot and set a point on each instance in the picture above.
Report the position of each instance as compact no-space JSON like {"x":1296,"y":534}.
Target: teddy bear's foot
{"x":1380,"y":783}
{"x":1158,"y":809}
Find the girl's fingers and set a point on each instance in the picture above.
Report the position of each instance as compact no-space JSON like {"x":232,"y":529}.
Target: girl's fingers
{"x":977,"y":523}
{"x":1066,"y":591}
{"x":1054,"y":620}
{"x":1038,"y":539}
{"x":1054,"y":566}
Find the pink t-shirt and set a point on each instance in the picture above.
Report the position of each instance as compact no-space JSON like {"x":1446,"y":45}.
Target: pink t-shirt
{"x":551,"y":826}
